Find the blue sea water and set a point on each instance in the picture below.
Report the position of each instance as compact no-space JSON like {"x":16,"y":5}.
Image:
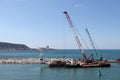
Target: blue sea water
{"x":43,"y":72}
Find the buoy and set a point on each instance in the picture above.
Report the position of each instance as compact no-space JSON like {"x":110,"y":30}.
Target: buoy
{"x":99,"y":73}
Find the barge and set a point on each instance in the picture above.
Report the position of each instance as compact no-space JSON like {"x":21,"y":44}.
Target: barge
{"x":86,"y":61}
{"x":78,"y":64}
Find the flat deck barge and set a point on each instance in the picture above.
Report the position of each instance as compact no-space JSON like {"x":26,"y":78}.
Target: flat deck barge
{"x":71,"y":63}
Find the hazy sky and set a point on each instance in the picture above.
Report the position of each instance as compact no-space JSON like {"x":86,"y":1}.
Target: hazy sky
{"x":38,"y":23}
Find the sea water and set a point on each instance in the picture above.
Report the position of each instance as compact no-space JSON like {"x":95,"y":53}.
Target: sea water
{"x":44,"y":72}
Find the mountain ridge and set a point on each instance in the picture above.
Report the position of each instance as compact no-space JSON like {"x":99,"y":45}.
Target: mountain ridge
{"x":13,"y":46}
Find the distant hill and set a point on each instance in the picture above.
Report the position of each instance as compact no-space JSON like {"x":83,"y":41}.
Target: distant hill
{"x":12,"y":46}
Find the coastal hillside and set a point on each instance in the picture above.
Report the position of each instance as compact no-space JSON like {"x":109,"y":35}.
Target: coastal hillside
{"x":12,"y":46}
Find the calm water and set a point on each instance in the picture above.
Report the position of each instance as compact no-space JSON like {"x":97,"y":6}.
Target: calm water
{"x":43,"y":72}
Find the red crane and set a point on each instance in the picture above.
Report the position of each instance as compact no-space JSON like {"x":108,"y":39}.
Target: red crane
{"x":76,"y":37}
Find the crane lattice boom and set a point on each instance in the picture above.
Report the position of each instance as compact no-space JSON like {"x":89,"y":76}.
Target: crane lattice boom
{"x":75,"y":35}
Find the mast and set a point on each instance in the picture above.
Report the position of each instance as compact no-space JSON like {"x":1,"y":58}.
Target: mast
{"x":75,"y":36}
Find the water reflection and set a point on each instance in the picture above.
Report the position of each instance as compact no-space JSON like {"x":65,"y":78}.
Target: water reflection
{"x":47,"y":73}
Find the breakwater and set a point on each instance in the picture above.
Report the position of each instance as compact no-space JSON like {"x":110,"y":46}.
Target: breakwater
{"x":20,"y":61}
{"x":29,"y":60}
{"x":38,"y":60}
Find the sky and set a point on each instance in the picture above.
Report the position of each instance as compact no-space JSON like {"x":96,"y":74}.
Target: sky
{"x":38,"y":23}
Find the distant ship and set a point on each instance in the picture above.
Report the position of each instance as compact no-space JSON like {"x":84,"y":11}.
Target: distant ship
{"x":45,"y":48}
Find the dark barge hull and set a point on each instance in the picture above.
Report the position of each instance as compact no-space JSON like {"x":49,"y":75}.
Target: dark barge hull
{"x":72,"y":66}
{"x":95,"y":65}
{"x":56,"y":65}
{"x":79,"y":66}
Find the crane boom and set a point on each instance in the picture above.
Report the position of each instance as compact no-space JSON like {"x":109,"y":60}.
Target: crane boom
{"x":91,"y":42}
{"x":75,"y":35}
